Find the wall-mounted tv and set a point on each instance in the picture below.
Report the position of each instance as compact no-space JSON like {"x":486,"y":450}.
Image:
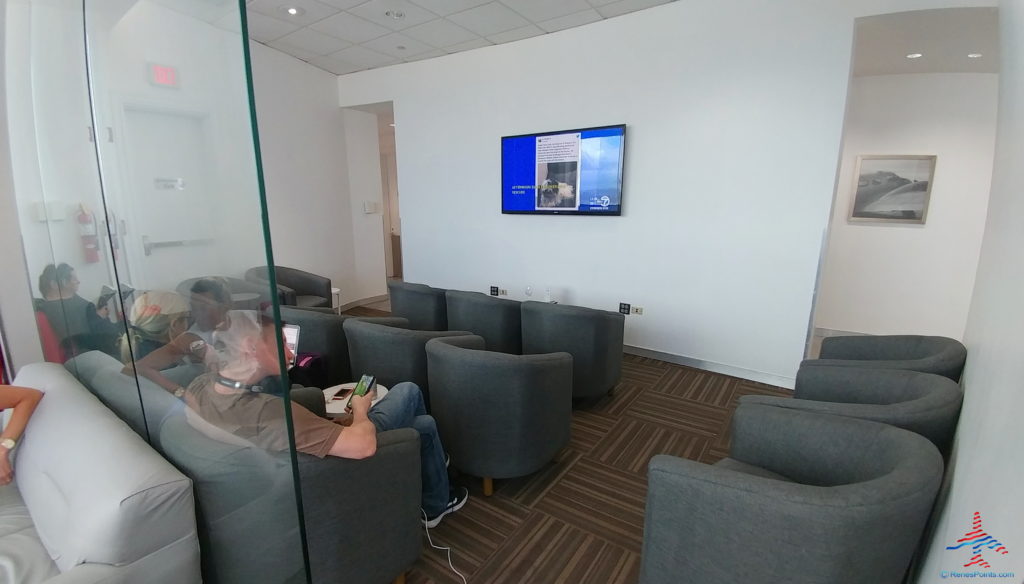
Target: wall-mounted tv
{"x":570,"y":172}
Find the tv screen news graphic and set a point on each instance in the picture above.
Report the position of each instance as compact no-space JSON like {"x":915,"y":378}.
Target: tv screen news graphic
{"x":569,"y":172}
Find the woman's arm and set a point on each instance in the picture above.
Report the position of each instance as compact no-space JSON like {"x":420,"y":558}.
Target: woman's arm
{"x":24,"y":401}
{"x":170,"y":354}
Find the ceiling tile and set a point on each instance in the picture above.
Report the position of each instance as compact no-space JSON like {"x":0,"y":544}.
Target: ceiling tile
{"x":468,"y":46}
{"x":264,"y":28}
{"x":446,"y":7}
{"x":375,"y":10}
{"x":232,"y":23}
{"x":293,"y":51}
{"x":389,"y":45}
{"x":363,"y":57}
{"x":312,"y":10}
{"x":489,"y":19}
{"x":596,"y":3}
{"x":350,"y":28}
{"x":627,"y":6}
{"x":538,"y":10}
{"x":312,"y":41}
{"x":516,"y":34}
{"x":578,"y":19}
{"x":427,"y":55}
{"x":343,"y":4}
{"x":336,"y":66}
{"x":440,"y":33}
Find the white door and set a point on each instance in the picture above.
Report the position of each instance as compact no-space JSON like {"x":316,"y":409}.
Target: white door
{"x":173,"y":222}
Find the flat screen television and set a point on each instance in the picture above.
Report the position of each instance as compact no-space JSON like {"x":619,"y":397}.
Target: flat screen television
{"x":570,"y":172}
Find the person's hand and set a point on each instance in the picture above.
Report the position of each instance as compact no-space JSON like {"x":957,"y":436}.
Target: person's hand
{"x":6,"y":472}
{"x":104,"y":312}
{"x":361,"y":403}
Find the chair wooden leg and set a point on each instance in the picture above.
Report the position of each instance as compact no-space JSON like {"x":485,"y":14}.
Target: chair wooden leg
{"x":400,"y":579}
{"x":488,"y":486}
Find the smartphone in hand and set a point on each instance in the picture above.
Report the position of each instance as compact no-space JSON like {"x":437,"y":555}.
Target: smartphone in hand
{"x":366,"y":384}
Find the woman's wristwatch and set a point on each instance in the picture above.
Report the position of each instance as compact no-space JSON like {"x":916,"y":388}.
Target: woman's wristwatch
{"x":8,"y":443}
{"x":179,"y":392}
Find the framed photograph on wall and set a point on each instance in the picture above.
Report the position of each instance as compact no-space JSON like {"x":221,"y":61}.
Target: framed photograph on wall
{"x":892,"y":189}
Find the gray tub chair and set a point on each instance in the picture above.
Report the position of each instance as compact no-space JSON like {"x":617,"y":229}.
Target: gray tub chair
{"x":295,"y":287}
{"x":924,"y":403}
{"x":592,"y":337}
{"x":424,"y":307}
{"x":938,"y":355}
{"x":497,"y":320}
{"x":499,"y":415}
{"x":804,"y":498}
{"x":390,"y":353}
{"x":245,"y":495}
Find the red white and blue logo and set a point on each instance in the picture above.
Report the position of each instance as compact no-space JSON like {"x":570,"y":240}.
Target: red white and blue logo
{"x":978,"y":540}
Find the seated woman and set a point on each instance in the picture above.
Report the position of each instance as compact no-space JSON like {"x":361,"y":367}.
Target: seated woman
{"x":157,"y":317}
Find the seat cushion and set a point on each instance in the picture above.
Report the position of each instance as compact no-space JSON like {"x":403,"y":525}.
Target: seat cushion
{"x":23,"y":558}
{"x":733,"y":464}
{"x":311,"y":301}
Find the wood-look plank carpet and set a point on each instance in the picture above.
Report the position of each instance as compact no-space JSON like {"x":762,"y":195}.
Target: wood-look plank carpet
{"x":580,"y":519}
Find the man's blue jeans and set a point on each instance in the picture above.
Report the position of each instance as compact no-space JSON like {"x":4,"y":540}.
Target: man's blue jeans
{"x":403,"y":407}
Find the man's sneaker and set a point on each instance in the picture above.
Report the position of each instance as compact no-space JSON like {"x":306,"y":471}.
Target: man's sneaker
{"x":459,"y":497}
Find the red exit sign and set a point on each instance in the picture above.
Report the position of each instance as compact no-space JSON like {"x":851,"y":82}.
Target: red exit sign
{"x":163,"y":75}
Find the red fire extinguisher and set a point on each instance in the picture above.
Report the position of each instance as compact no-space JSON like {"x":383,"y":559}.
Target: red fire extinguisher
{"x":90,"y":240}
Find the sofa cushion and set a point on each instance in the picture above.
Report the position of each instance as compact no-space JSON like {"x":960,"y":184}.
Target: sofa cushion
{"x":89,"y":481}
{"x":23,"y":559}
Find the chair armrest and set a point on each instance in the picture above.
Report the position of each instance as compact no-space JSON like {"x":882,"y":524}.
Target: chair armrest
{"x":856,"y":385}
{"x":362,"y":516}
{"x":394,"y":321}
{"x":868,"y":347}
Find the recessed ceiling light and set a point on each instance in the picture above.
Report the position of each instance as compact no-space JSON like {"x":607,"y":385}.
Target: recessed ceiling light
{"x":974,"y":55}
{"x":293,"y":10}
{"x":396,"y":14}
{"x":914,"y":56}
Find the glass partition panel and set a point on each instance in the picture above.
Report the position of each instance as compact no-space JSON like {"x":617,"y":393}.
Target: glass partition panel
{"x":141,"y":209}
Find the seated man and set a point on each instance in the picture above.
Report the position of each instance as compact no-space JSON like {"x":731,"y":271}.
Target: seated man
{"x":247,"y":350}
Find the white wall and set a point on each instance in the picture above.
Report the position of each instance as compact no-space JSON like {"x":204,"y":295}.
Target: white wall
{"x":899,"y":278}
{"x":718,"y":241}
{"x":988,"y":460}
{"x":364,"y":179}
{"x":302,"y":137}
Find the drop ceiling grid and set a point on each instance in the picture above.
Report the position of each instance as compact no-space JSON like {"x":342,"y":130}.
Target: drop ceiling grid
{"x":345,"y":36}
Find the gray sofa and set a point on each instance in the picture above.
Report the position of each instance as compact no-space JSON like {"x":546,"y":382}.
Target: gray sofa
{"x":804,"y":498}
{"x":424,"y":307}
{"x":391,"y":353}
{"x":594,"y":338}
{"x":93,"y":496}
{"x":499,"y":415}
{"x":924,"y":403}
{"x":938,"y":355}
{"x":497,"y":320}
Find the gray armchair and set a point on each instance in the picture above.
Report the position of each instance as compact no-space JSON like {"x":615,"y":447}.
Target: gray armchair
{"x":939,"y":355}
{"x":592,"y":337}
{"x":804,"y":498}
{"x":497,"y":320}
{"x":499,"y":415}
{"x":391,"y":354}
{"x":248,"y":523}
{"x":924,"y":403}
{"x":295,"y":287}
{"x":425,"y":307}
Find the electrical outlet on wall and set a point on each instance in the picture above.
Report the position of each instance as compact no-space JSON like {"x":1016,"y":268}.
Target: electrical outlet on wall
{"x":624,"y":307}
{"x":503,"y":292}
{"x":638,"y":310}
{"x":494,"y":290}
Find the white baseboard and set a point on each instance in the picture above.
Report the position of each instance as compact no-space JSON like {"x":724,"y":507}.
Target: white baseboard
{"x":363,"y":302}
{"x":759,"y":376}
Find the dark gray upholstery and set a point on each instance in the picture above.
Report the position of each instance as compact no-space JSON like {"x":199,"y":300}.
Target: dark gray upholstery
{"x":425,"y":307}
{"x":592,"y":337}
{"x":499,"y":415}
{"x":234,"y":286}
{"x":850,"y":509}
{"x":925,"y":403}
{"x":246,"y":497}
{"x":497,"y":320}
{"x":295,"y":287}
{"x":391,"y":354}
{"x":938,"y":355}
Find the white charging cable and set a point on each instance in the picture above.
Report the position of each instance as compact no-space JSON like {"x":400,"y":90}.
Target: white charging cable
{"x":437,"y":547}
